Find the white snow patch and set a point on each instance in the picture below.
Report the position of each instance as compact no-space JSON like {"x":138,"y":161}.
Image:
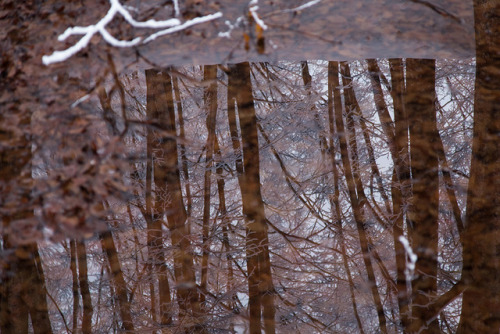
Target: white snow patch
{"x":411,"y":258}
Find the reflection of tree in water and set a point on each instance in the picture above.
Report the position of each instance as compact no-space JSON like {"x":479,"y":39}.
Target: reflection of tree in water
{"x":284,"y":197}
{"x":481,"y":242}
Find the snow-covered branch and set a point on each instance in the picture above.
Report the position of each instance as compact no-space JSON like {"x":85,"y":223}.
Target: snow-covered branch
{"x":253,"y":11}
{"x":196,"y":20}
{"x":304,"y":6}
{"x":169,"y":26}
{"x":411,"y":258}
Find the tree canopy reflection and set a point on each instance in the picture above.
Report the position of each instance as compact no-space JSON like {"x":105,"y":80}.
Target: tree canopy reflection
{"x":283,"y":196}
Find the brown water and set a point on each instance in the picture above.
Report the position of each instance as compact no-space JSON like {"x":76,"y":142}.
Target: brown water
{"x":335,"y":171}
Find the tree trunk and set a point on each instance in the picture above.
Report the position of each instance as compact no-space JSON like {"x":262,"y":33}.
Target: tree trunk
{"x":481,"y":250}
{"x":169,"y":199}
{"x":118,"y":280}
{"x":423,"y":212}
{"x":155,"y":212}
{"x":75,"y":286}
{"x":84,"y":287}
{"x":22,"y":292}
{"x":210,"y":97}
{"x":335,"y":201}
{"x":226,"y":229}
{"x":356,"y":193}
{"x":260,"y":283}
{"x":182,"y":147}
{"x":307,"y":79}
{"x":383,"y":112}
{"x":400,"y":187}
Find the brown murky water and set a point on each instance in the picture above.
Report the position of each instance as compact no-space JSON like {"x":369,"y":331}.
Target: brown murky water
{"x":286,"y":167}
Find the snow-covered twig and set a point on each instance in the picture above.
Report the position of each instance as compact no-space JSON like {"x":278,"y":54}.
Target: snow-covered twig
{"x":411,"y":258}
{"x":304,"y":6}
{"x":294,"y":9}
{"x":176,"y":8}
{"x":172,"y":26}
{"x":196,"y":20}
{"x":258,"y":20}
{"x":231,"y":26}
{"x":80,"y":100}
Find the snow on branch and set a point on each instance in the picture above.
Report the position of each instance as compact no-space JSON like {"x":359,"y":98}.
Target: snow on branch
{"x":169,"y":26}
{"x":411,"y":258}
{"x":253,"y":10}
{"x":196,"y":20}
